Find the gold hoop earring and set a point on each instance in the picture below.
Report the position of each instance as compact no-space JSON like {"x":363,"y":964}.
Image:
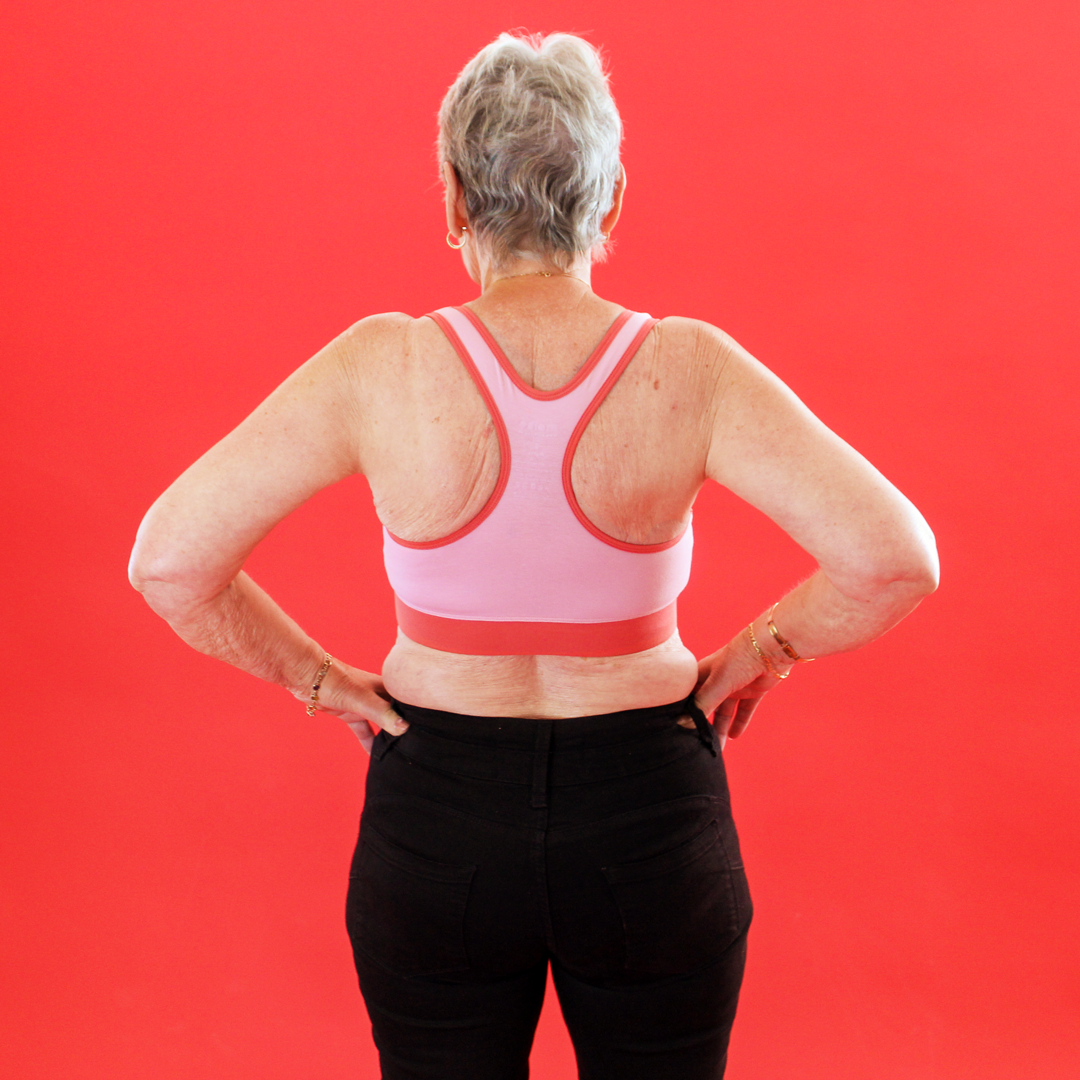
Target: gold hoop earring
{"x":449,"y":239}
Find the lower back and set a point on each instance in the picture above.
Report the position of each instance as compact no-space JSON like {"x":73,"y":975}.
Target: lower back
{"x":538,"y":686}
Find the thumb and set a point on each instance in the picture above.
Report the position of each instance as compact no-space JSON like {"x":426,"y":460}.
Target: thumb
{"x":391,"y":723}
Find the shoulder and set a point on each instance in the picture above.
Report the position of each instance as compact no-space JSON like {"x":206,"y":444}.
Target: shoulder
{"x":381,"y":347}
{"x":708,"y":350}
{"x":682,"y":334}
{"x":377,"y":336}
{"x":707,"y":357}
{"x":693,"y":340}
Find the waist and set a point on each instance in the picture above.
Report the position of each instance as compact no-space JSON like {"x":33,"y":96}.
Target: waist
{"x":538,"y":686}
{"x":504,"y":748}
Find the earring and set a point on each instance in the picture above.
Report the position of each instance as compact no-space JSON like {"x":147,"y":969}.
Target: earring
{"x":450,"y":240}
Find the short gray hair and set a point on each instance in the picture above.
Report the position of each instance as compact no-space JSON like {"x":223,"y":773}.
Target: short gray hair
{"x":532,"y":131}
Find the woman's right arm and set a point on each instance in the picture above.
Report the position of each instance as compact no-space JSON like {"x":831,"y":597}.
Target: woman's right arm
{"x":192,"y":545}
{"x":875,"y":552}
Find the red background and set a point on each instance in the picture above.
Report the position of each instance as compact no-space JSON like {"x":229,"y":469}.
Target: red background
{"x":877,"y":199}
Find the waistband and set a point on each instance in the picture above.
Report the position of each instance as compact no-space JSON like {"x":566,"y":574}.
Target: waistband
{"x":506,"y":748}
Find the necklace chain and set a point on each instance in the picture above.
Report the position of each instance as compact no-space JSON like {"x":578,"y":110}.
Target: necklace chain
{"x":537,"y":273}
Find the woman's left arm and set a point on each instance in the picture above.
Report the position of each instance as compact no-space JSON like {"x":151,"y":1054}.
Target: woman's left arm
{"x":193,"y":542}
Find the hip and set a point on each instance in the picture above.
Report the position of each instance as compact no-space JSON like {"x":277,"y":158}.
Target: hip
{"x":574,"y":836}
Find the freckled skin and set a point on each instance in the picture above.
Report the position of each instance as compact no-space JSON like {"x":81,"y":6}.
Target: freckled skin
{"x":632,"y":479}
{"x":390,"y":399}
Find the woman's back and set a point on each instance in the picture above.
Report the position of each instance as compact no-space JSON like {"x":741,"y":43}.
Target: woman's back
{"x":534,"y":458}
{"x":429,"y":448}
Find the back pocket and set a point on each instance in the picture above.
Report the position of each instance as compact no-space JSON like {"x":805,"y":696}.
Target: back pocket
{"x":679,"y":908}
{"x":405,"y":911}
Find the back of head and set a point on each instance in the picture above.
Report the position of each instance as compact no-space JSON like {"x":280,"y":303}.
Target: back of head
{"x":532,"y":131}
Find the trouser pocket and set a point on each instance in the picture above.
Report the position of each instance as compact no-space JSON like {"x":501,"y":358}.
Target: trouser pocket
{"x":683,"y":908}
{"x":405,"y":911}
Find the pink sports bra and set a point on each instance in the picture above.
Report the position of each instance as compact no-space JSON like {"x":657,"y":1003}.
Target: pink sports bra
{"x":530,"y":574}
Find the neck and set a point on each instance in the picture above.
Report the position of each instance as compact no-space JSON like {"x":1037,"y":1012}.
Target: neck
{"x":532,"y":273}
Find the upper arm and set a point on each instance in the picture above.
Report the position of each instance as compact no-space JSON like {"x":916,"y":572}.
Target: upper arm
{"x":305,"y":436}
{"x":771,"y":450}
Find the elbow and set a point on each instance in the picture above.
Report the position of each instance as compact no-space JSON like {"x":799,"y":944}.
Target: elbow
{"x":930,"y":577}
{"x":924,"y":571}
{"x":899,"y":572}
{"x":157,"y":585}
{"x":140,"y":576}
{"x":893,"y":587}
{"x":914,"y":571}
{"x":175,"y":599}
{"x":149,"y":566}
{"x":145,"y":563}
{"x":170,"y":568}
{"x":173,"y":588}
{"x":140,"y":573}
{"x":919,"y":581}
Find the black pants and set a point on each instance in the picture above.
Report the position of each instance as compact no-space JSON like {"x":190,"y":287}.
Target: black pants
{"x":604,"y":844}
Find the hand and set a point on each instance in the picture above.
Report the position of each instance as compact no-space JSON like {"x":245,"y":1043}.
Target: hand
{"x":360,"y":699}
{"x":732,"y":681}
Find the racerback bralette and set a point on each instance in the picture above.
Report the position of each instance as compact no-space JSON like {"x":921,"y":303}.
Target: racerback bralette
{"x":530,"y":574}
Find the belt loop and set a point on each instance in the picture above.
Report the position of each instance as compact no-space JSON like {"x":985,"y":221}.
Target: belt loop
{"x":540,"y":764}
{"x":706,"y":732}
{"x":381,"y":744}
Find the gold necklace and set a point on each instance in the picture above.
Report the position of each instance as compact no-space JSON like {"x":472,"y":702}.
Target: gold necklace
{"x":536,"y":273}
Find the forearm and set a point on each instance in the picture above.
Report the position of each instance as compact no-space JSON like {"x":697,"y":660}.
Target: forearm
{"x":818,"y":619}
{"x":241,"y":625}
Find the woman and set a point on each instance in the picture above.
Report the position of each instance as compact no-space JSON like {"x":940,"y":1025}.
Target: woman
{"x":544,"y":786}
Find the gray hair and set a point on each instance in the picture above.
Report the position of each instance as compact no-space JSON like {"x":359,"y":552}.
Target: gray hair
{"x":532,"y":131}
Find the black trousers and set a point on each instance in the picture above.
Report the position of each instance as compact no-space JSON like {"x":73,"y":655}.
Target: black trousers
{"x":491,"y":846}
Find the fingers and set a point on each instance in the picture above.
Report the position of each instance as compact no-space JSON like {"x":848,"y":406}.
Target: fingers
{"x":360,"y":699}
{"x":387,"y":721}
{"x":364,"y":732}
{"x":743,"y":714}
{"x":725,"y":715}
{"x":733,"y":714}
{"x":722,"y":675}
{"x":712,"y":689}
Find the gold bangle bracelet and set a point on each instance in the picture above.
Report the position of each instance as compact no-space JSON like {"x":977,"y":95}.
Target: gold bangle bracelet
{"x":784,"y":644}
{"x":313,"y":704}
{"x":763,"y":658}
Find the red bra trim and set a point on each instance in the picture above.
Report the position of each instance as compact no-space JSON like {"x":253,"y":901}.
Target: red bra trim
{"x":524,"y":387}
{"x":491,"y":638}
{"x":500,"y":430}
{"x":575,"y":438}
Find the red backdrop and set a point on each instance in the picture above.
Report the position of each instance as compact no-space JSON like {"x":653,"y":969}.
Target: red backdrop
{"x":879,"y":200}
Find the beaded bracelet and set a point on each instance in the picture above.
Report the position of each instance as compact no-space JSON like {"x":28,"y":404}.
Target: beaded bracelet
{"x":313,"y":704}
{"x":763,"y":658}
